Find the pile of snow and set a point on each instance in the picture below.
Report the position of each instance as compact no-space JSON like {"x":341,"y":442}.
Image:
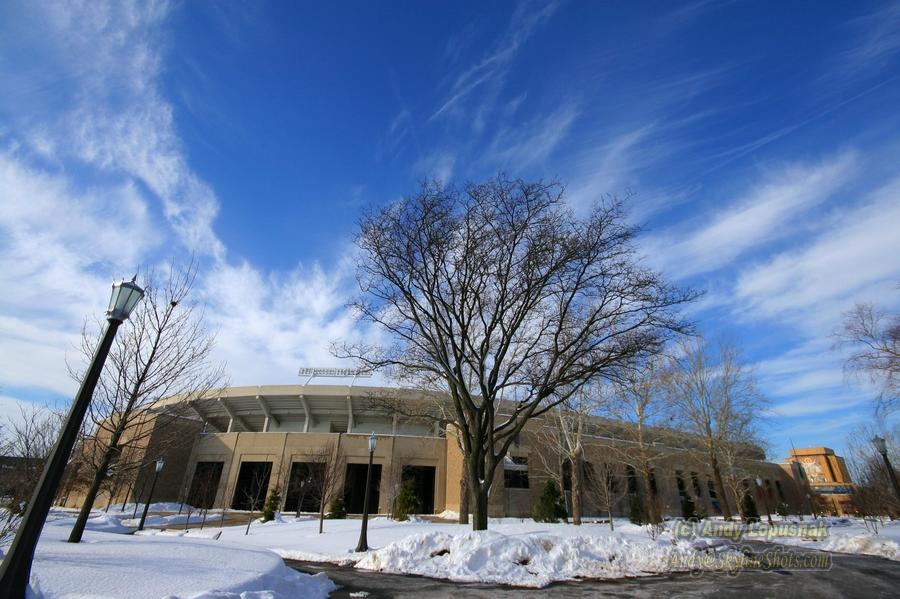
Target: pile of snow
{"x":863,"y":544}
{"x":112,"y":565}
{"x":535,"y":560}
{"x":850,"y":535}
{"x":172,"y":520}
{"x":514,"y":551}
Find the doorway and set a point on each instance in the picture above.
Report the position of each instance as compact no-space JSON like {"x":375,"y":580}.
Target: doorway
{"x":302,"y":491}
{"x":355,"y":488}
{"x":205,"y":484}
{"x":423,"y":482}
{"x":252,"y":486}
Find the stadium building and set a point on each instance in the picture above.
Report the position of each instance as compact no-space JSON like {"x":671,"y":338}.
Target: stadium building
{"x":223,"y":451}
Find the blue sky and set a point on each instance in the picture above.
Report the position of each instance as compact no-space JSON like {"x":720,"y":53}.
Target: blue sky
{"x":760,"y":140}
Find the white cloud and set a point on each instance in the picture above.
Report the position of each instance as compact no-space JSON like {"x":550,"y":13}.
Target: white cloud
{"x":116,"y":120}
{"x":767,"y":212}
{"x":875,"y":41}
{"x":61,"y":248}
{"x":857,"y":258}
{"x":534,"y":141}
{"x":270,"y":324}
{"x":491,"y":69}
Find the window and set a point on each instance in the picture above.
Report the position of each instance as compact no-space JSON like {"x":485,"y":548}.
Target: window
{"x":515,"y":472}
{"x":696,"y":483}
{"x":779,"y":490}
{"x":631,"y":476}
{"x":712,"y":489}
{"x":653,"y":482}
{"x":682,"y":489}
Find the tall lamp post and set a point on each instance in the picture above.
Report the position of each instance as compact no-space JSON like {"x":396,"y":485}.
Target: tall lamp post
{"x":765,"y":496}
{"x":16,"y":569}
{"x":363,"y":544}
{"x":159,"y":466}
{"x":881,"y":445}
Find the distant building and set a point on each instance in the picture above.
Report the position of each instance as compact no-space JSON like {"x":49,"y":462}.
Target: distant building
{"x":826,"y":478}
{"x":276,"y":434}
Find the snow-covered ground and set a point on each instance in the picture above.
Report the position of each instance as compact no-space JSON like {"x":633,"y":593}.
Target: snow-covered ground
{"x":224,"y":562}
{"x":514,"y":551}
{"x":108,"y":563}
{"x":850,"y":535}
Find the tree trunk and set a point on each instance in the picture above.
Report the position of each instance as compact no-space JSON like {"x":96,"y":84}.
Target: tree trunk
{"x":99,"y":476}
{"x":478,"y":484}
{"x":463,"y":501}
{"x":720,"y":487}
{"x":577,"y":477}
{"x":609,"y":515}
{"x":479,"y":501}
{"x":321,"y":515}
{"x":652,"y":513}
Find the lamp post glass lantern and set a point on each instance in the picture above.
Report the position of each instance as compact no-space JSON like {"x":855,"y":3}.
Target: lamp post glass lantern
{"x":363,"y":544}
{"x":158,"y":468}
{"x":16,"y":569}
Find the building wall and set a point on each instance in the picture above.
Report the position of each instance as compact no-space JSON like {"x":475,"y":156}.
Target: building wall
{"x":282,"y":449}
{"x":286,"y":446}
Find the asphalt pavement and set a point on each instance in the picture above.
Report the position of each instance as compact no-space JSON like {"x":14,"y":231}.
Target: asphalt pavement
{"x":848,"y":576}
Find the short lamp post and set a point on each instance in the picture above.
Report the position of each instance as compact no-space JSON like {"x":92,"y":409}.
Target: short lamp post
{"x":16,"y":569}
{"x":159,"y":466}
{"x":881,"y":445}
{"x":363,"y":544}
{"x":764,"y":493}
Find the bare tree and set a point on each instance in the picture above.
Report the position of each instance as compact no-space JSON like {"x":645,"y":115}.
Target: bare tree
{"x":25,"y":444}
{"x":163,"y":351}
{"x":324,"y":483}
{"x":638,"y":412}
{"x":27,"y":441}
{"x":562,"y":441}
{"x":255,"y":493}
{"x":874,"y":496}
{"x":715,"y":398}
{"x":604,"y":486}
{"x":499,"y":297}
{"x":873,"y":337}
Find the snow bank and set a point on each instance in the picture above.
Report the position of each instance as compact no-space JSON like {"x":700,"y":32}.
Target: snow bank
{"x":172,"y":520}
{"x":534,"y":560}
{"x":163,"y":565}
{"x":850,"y":535}
{"x":863,"y":544}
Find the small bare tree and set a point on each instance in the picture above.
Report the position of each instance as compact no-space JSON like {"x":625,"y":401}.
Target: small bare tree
{"x":873,"y":337}
{"x":562,"y":441}
{"x":255,"y":493}
{"x":715,"y":398}
{"x":27,"y":441}
{"x":324,"y":484}
{"x":163,"y":350}
{"x":604,"y":486}
{"x":637,"y":411}
{"x":499,"y":297}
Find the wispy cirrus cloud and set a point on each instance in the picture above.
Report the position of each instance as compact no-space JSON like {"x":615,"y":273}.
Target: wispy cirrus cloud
{"x":856,"y":257}
{"x":114,"y":117}
{"x":874,"y":43}
{"x":95,"y":182}
{"x":768,"y":211}
{"x":534,"y":141}
{"x":490,"y":70}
